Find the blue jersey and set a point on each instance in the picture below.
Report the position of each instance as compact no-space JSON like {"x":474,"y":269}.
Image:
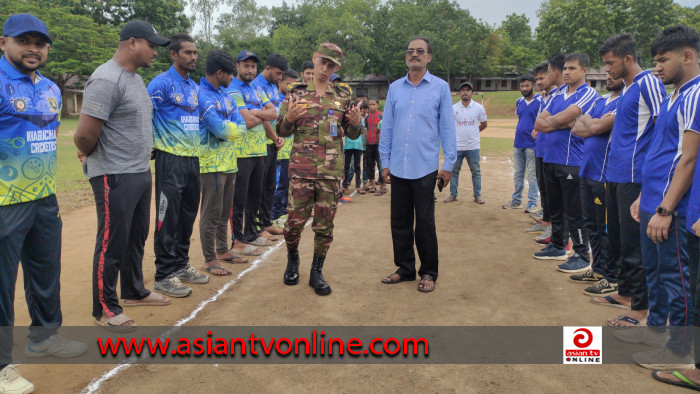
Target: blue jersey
{"x":595,"y":148}
{"x":29,"y":115}
{"x":563,"y":147}
{"x":633,"y":128}
{"x":270,"y":89}
{"x":220,"y":124}
{"x":527,"y":114}
{"x":175,"y":114}
{"x":247,"y":96}
{"x":675,"y":117}
{"x":541,"y":140}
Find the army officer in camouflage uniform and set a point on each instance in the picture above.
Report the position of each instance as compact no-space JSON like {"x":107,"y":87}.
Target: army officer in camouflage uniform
{"x":318,"y":114}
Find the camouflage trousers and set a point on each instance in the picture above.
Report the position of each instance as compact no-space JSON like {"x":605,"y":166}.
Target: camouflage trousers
{"x":321,"y":195}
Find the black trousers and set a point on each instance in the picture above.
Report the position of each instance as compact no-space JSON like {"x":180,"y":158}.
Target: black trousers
{"x":123,"y":203}
{"x":539,"y":171}
{"x":247,"y":196}
{"x":372,"y":160}
{"x":594,"y":220}
{"x":30,"y":232}
{"x":353,"y":157}
{"x":413,"y":201}
{"x":624,"y":236}
{"x":564,"y":199}
{"x":177,"y":191}
{"x":269,"y":186}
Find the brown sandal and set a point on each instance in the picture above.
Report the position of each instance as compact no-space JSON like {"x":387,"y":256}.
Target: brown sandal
{"x":422,"y":285}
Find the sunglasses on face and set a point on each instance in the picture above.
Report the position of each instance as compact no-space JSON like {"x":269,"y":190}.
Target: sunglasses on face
{"x":411,"y":51}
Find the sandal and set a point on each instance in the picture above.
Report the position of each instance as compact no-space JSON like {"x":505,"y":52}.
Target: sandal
{"x":210,"y":269}
{"x":398,"y":279}
{"x":378,"y":193}
{"x":118,"y":323}
{"x":372,"y":189}
{"x":684,"y":382}
{"x":361,"y":190}
{"x":627,"y":319}
{"x":260,"y":241}
{"x":422,"y":285}
{"x":232,"y":258}
{"x":610,"y":302}
{"x":268,"y":236}
{"x":153,"y":299}
{"x":249,"y":250}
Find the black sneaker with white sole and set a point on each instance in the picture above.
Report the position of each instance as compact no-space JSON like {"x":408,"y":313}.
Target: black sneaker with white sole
{"x":600,"y":288}
{"x":587,"y":276}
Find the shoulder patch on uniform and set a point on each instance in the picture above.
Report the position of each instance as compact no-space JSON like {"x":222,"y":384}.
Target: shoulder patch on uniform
{"x":297,"y":85}
{"x":344,"y":86}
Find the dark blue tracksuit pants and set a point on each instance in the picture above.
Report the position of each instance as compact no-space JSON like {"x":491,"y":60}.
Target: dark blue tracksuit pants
{"x":30,"y":232}
{"x":667,"y":278}
{"x":279,"y":206}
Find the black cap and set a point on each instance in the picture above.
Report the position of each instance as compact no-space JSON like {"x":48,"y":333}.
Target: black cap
{"x":142,"y":29}
{"x":466,"y":84}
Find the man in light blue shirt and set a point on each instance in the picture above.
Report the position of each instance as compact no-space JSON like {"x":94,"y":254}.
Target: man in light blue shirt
{"x":417,"y":114}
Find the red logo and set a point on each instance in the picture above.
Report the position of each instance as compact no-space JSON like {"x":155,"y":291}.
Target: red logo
{"x":584,"y":339}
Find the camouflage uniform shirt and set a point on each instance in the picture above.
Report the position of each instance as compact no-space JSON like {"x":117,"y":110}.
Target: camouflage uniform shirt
{"x":316,"y":154}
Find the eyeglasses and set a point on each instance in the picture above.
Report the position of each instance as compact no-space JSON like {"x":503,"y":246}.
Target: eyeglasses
{"x":411,"y":51}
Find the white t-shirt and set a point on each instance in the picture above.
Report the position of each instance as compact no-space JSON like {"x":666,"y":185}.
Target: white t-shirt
{"x":467,"y":124}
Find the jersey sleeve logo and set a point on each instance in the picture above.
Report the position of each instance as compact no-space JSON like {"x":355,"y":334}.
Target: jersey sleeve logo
{"x":20,"y":104}
{"x":53,"y":104}
{"x":194,"y":99}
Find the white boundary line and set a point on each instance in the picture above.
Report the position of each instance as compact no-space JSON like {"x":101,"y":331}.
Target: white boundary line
{"x":96,"y":383}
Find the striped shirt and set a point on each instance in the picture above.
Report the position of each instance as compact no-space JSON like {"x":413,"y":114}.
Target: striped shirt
{"x":676,"y":115}
{"x":633,"y":128}
{"x":563,"y":147}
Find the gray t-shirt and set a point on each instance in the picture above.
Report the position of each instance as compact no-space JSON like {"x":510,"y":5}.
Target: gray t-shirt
{"x":120,"y":99}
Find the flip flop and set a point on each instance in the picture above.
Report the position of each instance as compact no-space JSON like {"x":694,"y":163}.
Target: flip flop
{"x":209,"y":268}
{"x":249,"y":250}
{"x":625,"y":318}
{"x":684,"y":382}
{"x":421,"y":286}
{"x":261,"y":241}
{"x":401,"y":279}
{"x":116,"y":323}
{"x":233,"y":259}
{"x":153,"y":299}
{"x":610,"y":302}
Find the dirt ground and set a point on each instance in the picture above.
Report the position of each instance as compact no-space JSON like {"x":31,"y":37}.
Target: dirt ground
{"x":488,"y":277}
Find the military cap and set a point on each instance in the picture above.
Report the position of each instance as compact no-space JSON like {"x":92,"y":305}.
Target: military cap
{"x":331,"y":52}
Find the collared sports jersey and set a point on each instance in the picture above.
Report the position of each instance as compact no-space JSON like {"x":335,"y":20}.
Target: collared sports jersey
{"x":247,"y":96}
{"x":675,"y":117}
{"x":527,"y":112}
{"x":283,"y":154}
{"x":541,"y":140}
{"x":220,"y":125}
{"x":29,"y":115}
{"x":595,"y":148}
{"x":273,"y":94}
{"x":633,"y":128}
{"x":175,"y":116}
{"x":562,"y":146}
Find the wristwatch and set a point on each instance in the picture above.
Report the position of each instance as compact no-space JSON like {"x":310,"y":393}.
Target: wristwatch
{"x":661,"y":211}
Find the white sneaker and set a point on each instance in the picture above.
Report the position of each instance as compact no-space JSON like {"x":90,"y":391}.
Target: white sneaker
{"x":55,"y":346}
{"x":11,"y":382}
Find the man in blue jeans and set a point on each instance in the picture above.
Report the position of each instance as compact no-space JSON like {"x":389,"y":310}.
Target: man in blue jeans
{"x":470,"y":120}
{"x":527,"y":108}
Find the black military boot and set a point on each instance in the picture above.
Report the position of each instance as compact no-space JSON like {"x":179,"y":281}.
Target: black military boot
{"x":291,"y":274}
{"x":316,"y":278}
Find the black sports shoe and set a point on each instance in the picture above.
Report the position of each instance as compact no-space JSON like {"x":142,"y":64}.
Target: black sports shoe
{"x":587,"y":276}
{"x":601,"y":287}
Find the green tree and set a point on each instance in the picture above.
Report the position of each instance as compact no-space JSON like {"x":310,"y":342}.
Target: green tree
{"x":580,"y":25}
{"x":246,"y":20}
{"x":519,"y":50}
{"x":646,"y":19}
{"x":79,"y":44}
{"x":204,"y":11}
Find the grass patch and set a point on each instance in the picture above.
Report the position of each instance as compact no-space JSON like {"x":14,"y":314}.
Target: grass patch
{"x":496,"y":146}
